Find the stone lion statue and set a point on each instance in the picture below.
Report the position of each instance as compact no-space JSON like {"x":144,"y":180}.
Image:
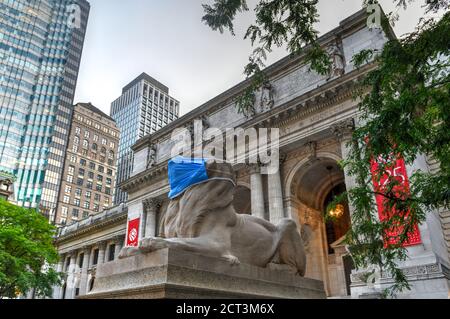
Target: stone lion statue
{"x":203,"y":220}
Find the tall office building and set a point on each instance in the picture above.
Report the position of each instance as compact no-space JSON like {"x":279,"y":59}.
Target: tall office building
{"x":144,"y":107}
{"x":89,"y":174}
{"x":41,"y":42}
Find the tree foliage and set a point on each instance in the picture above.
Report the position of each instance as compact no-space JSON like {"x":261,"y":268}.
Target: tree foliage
{"x":26,"y":252}
{"x":405,"y":111}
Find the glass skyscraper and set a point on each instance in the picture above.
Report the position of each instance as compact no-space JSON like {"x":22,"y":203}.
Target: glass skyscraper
{"x":41,"y":42}
{"x":144,"y":107}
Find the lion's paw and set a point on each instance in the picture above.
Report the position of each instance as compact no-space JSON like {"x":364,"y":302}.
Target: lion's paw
{"x":233,"y":260}
{"x":153,"y":243}
{"x":128,"y":251}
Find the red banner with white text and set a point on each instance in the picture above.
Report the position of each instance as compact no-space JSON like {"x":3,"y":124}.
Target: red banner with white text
{"x":398,"y":171}
{"x":133,"y":232}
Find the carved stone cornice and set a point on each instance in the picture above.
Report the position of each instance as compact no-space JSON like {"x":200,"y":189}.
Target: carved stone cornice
{"x":119,"y":218}
{"x":144,"y":177}
{"x":152,"y":204}
{"x":343,"y":129}
{"x":254,"y":168}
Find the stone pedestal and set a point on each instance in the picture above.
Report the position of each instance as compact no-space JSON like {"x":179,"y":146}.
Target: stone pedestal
{"x":169,"y":273}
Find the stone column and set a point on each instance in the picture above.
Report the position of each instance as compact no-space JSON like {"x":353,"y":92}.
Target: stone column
{"x":151,"y":206}
{"x":118,"y":247}
{"x":257,"y":192}
{"x":71,"y":276}
{"x":91,"y":258}
{"x":57,"y":290}
{"x":275,"y":193}
{"x":101,"y":252}
{"x":343,"y":132}
{"x":84,"y":270}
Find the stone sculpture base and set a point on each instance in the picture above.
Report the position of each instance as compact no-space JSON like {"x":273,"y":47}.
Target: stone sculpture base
{"x":169,"y":273}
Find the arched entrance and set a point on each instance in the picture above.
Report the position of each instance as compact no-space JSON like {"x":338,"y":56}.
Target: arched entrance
{"x":311,"y":186}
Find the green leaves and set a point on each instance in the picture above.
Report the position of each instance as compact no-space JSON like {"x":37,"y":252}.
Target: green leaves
{"x":404,"y":109}
{"x":222,"y":13}
{"x":26,"y":247}
{"x":278,"y":22}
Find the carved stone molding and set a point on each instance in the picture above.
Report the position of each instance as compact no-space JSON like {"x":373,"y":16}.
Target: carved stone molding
{"x":343,"y":130}
{"x":151,"y":157}
{"x":253,"y":168}
{"x":152,"y":204}
{"x":421,"y":270}
{"x":312,"y":147}
{"x":102,"y":245}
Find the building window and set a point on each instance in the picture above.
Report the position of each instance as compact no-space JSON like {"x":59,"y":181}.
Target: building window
{"x":81,"y":172}
{"x":82,"y":162}
{"x":75,"y":213}
{"x":64,"y":211}
{"x":62,"y":221}
{"x":78,"y":192}
{"x":67,"y":189}
{"x":79,"y":181}
{"x":100,"y":178}
{"x":88,"y":194}
{"x":111,"y":144}
{"x":99,"y":187}
{"x":77,"y":130}
{"x":76,"y":140}
{"x":89,"y":185}
{"x":96,"y":208}
{"x":66,"y":199}
{"x":84,"y":152}
{"x":69,"y":178}
{"x":104,"y":142}
{"x":95,"y":261}
{"x":94,"y":146}
{"x":95,"y":138}
{"x":108,"y":181}
{"x":101,"y":169}
{"x":111,"y":155}
{"x":109,"y":172}
{"x":91,"y":175}
{"x":76,"y":202}
{"x":85,"y":143}
{"x":85,"y":214}
{"x":107,"y":190}
{"x":112,"y":250}
{"x":91,"y":165}
{"x":75,"y":148}
{"x":110,"y":162}
{"x":86,"y":134}
{"x":71,"y":169}
{"x":97,"y":197}
{"x":86,"y":205}
{"x":73,"y":158}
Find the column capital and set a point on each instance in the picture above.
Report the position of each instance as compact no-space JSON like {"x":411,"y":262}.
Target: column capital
{"x":152,"y":204}
{"x":342,"y":130}
{"x":119,"y":238}
{"x":253,"y":168}
{"x":102,"y":244}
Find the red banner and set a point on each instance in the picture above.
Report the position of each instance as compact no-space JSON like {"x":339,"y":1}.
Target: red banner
{"x":133,"y":232}
{"x":398,"y":171}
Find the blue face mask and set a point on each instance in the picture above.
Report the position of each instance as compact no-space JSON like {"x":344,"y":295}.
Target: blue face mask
{"x":184,"y":172}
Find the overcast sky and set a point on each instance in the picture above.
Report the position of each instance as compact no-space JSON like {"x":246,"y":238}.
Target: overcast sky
{"x":167,"y":40}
